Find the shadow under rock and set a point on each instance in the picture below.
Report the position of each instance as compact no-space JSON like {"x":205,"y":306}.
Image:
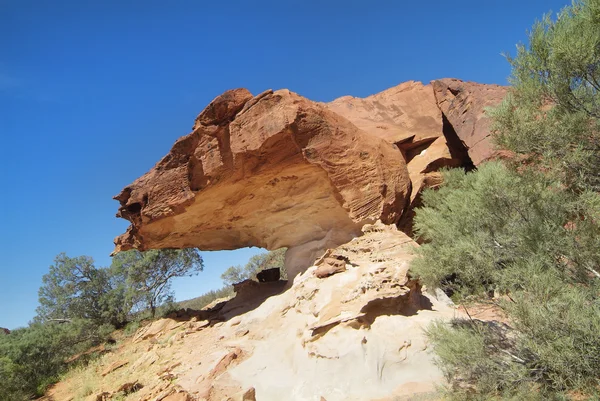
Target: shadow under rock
{"x":406,"y":305}
{"x":249,"y":295}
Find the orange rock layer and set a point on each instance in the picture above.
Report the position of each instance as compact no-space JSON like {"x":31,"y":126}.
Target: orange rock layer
{"x":279,"y":170}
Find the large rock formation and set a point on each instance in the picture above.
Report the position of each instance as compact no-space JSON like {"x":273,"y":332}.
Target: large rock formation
{"x":408,"y":116}
{"x":278,"y":170}
{"x":464,"y":106}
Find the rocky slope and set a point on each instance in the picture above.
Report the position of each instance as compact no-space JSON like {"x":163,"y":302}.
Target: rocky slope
{"x":353,"y":334}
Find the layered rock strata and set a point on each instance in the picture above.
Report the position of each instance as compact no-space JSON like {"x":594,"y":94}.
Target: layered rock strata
{"x":278,"y":170}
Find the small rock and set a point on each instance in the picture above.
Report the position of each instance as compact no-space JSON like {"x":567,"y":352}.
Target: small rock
{"x":443,"y":298}
{"x":114,"y":366}
{"x":168,"y":368}
{"x":242,"y":332}
{"x":269,"y":275}
{"x":131,"y":387}
{"x":249,"y":395}
{"x":168,"y":376}
{"x":179,"y":396}
{"x":201,"y":324}
{"x":103,"y":396}
{"x":330,"y":267}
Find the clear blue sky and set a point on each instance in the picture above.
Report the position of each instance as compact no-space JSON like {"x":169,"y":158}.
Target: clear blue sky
{"x":93,"y":93}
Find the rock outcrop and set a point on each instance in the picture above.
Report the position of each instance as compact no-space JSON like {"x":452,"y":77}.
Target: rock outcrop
{"x":278,"y":170}
{"x":329,"y":181}
{"x":405,"y":115}
{"x":464,"y":106}
{"x":275,"y":170}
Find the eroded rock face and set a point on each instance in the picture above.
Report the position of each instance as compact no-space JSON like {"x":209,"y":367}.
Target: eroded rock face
{"x":275,"y":170}
{"x":464,"y":104}
{"x":360,"y":330}
{"x":278,"y":170}
{"x":406,"y":114}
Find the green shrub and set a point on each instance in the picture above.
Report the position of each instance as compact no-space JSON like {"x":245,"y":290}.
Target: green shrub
{"x":552,"y":115}
{"x":479,"y":223}
{"x":521,"y":235}
{"x":531,"y":232}
{"x":34,"y":357}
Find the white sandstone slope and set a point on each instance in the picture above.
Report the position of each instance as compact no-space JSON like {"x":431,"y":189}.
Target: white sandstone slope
{"x":353,"y":335}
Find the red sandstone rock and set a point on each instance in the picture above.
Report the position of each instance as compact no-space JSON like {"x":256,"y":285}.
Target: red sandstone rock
{"x":273,"y":171}
{"x":406,"y":114}
{"x":114,"y":366}
{"x":278,"y":170}
{"x":463,"y":104}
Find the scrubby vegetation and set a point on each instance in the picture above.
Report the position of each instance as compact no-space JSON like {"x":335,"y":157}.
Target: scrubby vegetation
{"x":31,"y":358}
{"x":525,"y":234}
{"x":80,"y":306}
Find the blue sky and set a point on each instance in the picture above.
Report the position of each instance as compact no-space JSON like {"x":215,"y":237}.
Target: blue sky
{"x":92,"y":94}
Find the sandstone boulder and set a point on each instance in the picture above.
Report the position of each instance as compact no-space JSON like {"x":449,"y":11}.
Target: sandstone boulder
{"x":408,"y":116}
{"x":114,"y":366}
{"x":330,"y":266}
{"x":276,"y":170}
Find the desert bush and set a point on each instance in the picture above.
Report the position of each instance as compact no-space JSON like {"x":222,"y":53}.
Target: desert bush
{"x":522,"y":236}
{"x":479,"y":223}
{"x":552,"y":114}
{"x":528,"y":233}
{"x":34,"y":357}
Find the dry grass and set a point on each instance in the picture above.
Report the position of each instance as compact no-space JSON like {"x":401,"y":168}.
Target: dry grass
{"x":84,"y":381}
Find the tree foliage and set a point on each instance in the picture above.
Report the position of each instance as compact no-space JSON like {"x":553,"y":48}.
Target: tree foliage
{"x":552,"y":114}
{"x":257,"y":263}
{"x":90,"y":302}
{"x":149,"y":274}
{"x":75,"y":288}
{"x":479,"y":223}
{"x":528,"y":232}
{"x":32,"y":358}
{"x":499,"y":231}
